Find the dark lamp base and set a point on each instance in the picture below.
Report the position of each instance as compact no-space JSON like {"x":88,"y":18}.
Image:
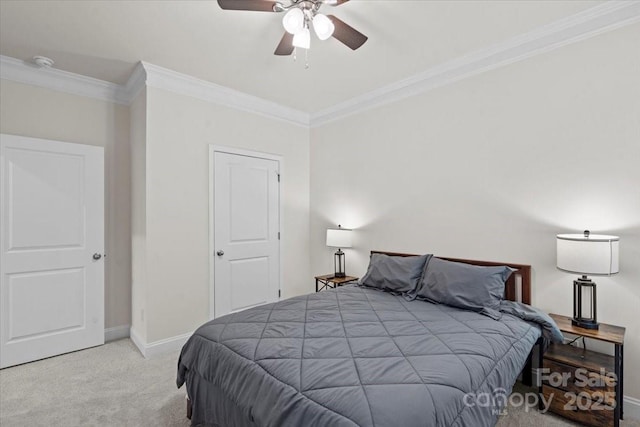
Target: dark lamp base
{"x":585,"y":324}
{"x":340,"y":275}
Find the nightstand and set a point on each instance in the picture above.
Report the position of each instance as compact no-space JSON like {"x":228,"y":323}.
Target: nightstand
{"x":329,"y":281}
{"x":583,"y":385}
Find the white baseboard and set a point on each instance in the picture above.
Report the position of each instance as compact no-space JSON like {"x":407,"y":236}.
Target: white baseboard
{"x":160,"y":347}
{"x":137,"y":341}
{"x":157,"y":348}
{"x":631,"y":408}
{"x":630,"y":405}
{"x":116,"y":333}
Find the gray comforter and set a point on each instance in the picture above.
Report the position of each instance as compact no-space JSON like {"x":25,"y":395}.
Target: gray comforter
{"x":353,"y":357}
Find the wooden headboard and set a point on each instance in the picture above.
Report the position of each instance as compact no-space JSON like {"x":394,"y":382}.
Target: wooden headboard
{"x":517,"y":288}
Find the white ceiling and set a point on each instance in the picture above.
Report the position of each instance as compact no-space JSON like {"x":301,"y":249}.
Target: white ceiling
{"x":105,"y":39}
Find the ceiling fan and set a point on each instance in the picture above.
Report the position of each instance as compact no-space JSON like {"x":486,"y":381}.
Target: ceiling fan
{"x":300,"y":16}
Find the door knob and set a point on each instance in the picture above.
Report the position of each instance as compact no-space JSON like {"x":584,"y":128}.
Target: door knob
{"x":97,"y":256}
{"x":220,"y":253}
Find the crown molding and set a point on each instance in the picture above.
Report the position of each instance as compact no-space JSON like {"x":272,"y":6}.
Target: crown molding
{"x":150,"y":75}
{"x":183,"y":84}
{"x":591,"y":22}
{"x":136,"y":82}
{"x":605,"y":17}
{"x":62,"y":81}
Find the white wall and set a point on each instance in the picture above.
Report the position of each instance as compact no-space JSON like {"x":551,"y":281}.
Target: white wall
{"x":179,"y":130}
{"x":41,"y":113}
{"x":493,"y":167}
{"x":138,"y":140}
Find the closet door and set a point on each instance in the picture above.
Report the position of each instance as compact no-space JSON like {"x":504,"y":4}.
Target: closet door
{"x":246,"y":232}
{"x":51,"y":248}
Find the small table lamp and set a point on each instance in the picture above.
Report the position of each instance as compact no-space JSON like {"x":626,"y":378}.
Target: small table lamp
{"x":586,"y":254}
{"x":339,"y":238}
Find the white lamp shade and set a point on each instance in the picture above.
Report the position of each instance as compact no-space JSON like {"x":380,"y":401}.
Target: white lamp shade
{"x":293,"y":21}
{"x":323,"y":26}
{"x":339,"y":237}
{"x":596,"y":254}
{"x":302,"y":39}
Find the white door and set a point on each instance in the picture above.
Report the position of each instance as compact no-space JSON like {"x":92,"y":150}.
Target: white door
{"x":246,"y":247}
{"x":52,"y":245}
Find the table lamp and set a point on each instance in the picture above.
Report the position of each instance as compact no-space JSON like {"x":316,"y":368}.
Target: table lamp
{"x":586,"y":253}
{"x":339,"y":238}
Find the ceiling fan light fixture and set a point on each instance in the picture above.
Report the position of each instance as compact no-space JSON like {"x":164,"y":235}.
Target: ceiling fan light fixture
{"x":293,"y":21}
{"x":299,"y":16}
{"x":323,"y":26}
{"x":302,"y":39}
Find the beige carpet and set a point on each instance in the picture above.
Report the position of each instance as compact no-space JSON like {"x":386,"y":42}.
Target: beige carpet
{"x":113,"y":385}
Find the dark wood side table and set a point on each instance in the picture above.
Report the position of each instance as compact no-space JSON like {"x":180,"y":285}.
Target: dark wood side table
{"x":587,"y":386}
{"x":329,"y":281}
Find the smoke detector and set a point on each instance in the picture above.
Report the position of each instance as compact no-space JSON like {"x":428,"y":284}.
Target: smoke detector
{"x":43,"y":61}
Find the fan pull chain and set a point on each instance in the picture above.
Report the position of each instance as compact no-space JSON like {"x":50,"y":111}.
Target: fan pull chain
{"x":306,"y":57}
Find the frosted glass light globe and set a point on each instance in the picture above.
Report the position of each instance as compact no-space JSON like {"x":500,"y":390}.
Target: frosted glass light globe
{"x":293,"y":21}
{"x":323,"y":26}
{"x":302,"y":39}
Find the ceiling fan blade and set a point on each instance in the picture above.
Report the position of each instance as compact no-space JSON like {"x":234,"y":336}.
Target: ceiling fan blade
{"x":254,"y":5}
{"x":347,"y":34}
{"x":286,"y":45}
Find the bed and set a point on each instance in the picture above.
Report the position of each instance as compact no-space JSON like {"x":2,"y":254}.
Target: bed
{"x":359,"y":356}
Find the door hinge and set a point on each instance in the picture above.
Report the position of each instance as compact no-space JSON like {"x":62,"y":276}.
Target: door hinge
{"x":278,"y":173}
{"x":278,"y":235}
{"x":279,"y":293}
